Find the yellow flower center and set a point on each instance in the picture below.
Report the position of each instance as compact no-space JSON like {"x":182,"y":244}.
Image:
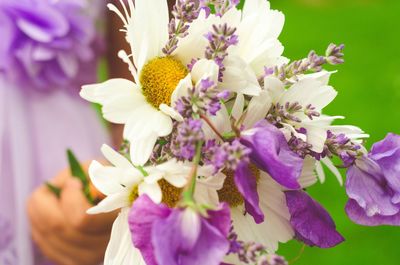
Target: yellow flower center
{"x":229,"y":193}
{"x":171,"y":194}
{"x":134,"y":194}
{"x":159,"y":78}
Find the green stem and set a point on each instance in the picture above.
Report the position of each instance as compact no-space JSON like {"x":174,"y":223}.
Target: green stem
{"x":188,"y":193}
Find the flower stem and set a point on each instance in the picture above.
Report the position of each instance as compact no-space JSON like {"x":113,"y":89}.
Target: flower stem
{"x":212,"y":126}
{"x":188,"y":193}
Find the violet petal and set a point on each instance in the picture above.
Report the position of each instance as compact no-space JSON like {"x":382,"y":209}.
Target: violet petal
{"x":246,"y":183}
{"x":312,"y":223}
{"x":143,"y":214}
{"x":271,"y":153}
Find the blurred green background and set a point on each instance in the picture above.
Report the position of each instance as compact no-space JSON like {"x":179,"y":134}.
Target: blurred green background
{"x":369,"y":97}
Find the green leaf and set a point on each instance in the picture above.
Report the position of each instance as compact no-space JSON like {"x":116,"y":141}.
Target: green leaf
{"x":55,"y":190}
{"x":78,"y":172}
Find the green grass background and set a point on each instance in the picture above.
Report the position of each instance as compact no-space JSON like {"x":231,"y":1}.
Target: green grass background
{"x":369,"y":97}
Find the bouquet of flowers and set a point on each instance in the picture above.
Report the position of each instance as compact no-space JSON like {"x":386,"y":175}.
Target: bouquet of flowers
{"x":222,"y":137}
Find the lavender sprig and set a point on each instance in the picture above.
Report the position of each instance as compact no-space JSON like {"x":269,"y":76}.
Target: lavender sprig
{"x":203,"y":99}
{"x":313,"y":63}
{"x":340,"y":145}
{"x":184,"y":12}
{"x":220,"y":39}
{"x":189,"y":133}
{"x":252,"y":253}
{"x":221,"y":6}
{"x":227,"y":155}
{"x":335,"y":145}
{"x":282,"y":113}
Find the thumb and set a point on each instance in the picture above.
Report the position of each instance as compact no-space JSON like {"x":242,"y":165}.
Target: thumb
{"x":74,"y":204}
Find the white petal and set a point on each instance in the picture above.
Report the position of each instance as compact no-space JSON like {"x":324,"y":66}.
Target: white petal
{"x":146,"y":120}
{"x":110,"y":203}
{"x":239,"y":77}
{"x":310,"y":91}
{"x":308,"y":176}
{"x":114,"y":157}
{"x":171,"y":112}
{"x":322,"y":76}
{"x":151,"y":190}
{"x":275,"y":88}
{"x":220,"y":121}
{"x":141,"y":149}
{"x":203,"y":69}
{"x":191,"y":226}
{"x":182,"y":89}
{"x":238,"y":106}
{"x":194,"y":44}
{"x":320,"y":172}
{"x":258,"y":33}
{"x":105,"y":183}
{"x":120,"y":249}
{"x":316,"y":136}
{"x":333,"y":169}
{"x":119,"y":98}
{"x":148,"y":32}
{"x":257,"y":109}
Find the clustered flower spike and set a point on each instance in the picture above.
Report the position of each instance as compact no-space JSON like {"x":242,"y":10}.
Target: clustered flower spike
{"x":252,"y":252}
{"x":313,"y":63}
{"x":203,"y":99}
{"x":220,"y":39}
{"x":235,"y":140}
{"x":184,"y":12}
{"x":189,"y":133}
{"x":221,"y":6}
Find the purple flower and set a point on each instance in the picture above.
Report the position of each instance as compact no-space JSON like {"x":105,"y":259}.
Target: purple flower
{"x":373,"y":185}
{"x":271,"y":153}
{"x":47,"y":44}
{"x":179,"y":236}
{"x":311,"y":222}
{"x":188,"y":134}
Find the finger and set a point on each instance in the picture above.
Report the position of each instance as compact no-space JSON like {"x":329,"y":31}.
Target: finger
{"x":61,"y":252}
{"x":74,"y":204}
{"x":50,"y":250}
{"x":44,"y":210}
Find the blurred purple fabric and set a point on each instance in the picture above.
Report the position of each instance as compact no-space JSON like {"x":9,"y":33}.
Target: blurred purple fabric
{"x":35,"y":131}
{"x":36,"y":127}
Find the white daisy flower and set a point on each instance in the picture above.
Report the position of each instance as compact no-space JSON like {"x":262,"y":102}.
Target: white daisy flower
{"x":257,"y":29}
{"x":122,"y":183}
{"x":145,"y":106}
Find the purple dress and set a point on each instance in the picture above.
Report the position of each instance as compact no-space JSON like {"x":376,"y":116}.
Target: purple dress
{"x":48,"y":49}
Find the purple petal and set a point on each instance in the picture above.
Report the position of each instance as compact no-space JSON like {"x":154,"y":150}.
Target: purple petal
{"x":386,"y":154}
{"x":311,"y":222}
{"x":171,"y":246}
{"x":366,"y":185}
{"x":39,"y":27}
{"x":271,"y":153}
{"x":246,"y":183}
{"x":358,"y":215}
{"x":220,"y":218}
{"x":143,"y":214}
